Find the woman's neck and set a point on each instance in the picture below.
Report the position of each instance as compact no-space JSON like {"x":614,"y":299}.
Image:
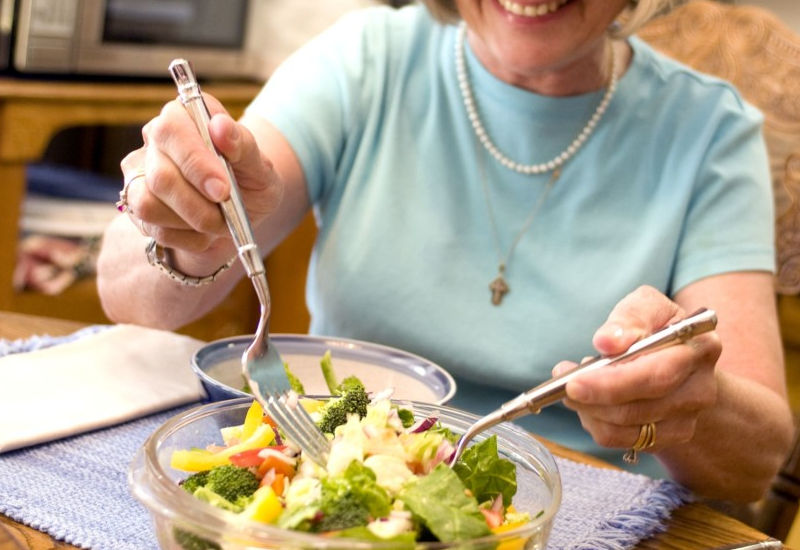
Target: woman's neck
{"x":585,"y":72}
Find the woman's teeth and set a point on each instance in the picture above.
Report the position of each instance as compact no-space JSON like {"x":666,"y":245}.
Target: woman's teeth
{"x":532,"y":11}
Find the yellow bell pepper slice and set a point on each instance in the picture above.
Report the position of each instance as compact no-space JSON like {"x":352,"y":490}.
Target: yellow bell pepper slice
{"x":265,"y":506}
{"x":198,"y":460}
{"x":252,"y":420}
{"x":511,"y":544}
{"x":235,"y":434}
{"x":311,"y":405}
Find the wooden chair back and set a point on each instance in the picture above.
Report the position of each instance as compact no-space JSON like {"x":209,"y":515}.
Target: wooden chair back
{"x":760,"y":55}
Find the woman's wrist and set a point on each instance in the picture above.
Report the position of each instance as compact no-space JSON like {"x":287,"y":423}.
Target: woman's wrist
{"x":188,"y":271}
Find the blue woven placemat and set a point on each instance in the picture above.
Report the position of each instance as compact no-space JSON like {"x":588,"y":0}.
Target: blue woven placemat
{"x":76,"y":491}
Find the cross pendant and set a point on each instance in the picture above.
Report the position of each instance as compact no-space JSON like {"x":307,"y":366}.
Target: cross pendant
{"x":499,"y":288}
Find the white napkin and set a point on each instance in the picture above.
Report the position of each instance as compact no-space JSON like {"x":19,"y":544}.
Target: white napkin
{"x":102,"y":379}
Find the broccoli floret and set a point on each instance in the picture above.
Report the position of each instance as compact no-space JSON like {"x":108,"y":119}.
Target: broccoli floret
{"x":347,"y":511}
{"x":335,"y":412}
{"x":406,"y":417}
{"x":190,"y":541}
{"x":351,"y":500}
{"x":232,"y":482}
{"x":207,"y":495}
{"x":229,"y":487}
{"x":195,"y":481}
{"x":348,"y":384}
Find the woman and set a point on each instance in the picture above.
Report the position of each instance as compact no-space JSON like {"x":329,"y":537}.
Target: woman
{"x":498,"y":196}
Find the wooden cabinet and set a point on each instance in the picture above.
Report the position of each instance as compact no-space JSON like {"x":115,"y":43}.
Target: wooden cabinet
{"x":31,"y":113}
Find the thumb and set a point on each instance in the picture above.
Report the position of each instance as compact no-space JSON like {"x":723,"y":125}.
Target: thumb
{"x":637,"y":315}
{"x":255,"y":175}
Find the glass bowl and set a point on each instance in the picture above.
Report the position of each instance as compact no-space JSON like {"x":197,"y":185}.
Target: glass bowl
{"x":180,"y":519}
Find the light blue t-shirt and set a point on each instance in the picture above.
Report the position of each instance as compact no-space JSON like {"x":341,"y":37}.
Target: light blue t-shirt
{"x":671,"y":187}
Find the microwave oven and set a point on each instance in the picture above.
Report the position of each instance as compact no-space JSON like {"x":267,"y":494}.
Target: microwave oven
{"x":135,"y":38}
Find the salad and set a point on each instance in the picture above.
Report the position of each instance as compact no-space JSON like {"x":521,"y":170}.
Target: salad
{"x":386,"y":479}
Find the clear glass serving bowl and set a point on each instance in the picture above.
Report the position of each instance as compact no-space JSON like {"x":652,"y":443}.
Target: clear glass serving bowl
{"x":181,"y":519}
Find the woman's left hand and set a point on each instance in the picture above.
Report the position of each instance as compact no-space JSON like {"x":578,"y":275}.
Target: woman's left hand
{"x":668,"y":388}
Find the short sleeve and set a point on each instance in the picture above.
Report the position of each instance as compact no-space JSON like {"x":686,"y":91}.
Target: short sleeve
{"x":730,"y":224}
{"x":318,"y":97}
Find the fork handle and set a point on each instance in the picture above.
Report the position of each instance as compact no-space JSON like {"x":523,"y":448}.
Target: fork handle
{"x":553,"y":390}
{"x":232,"y":208}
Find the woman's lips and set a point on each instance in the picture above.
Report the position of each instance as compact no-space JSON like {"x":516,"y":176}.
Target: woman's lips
{"x":531,"y":10}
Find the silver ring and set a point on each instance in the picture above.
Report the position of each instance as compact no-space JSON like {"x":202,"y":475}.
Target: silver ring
{"x":122,"y":203}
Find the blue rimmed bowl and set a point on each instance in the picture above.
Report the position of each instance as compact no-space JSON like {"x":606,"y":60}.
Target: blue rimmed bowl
{"x":218,"y":365}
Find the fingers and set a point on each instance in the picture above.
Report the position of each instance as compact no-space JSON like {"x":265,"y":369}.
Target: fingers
{"x":668,"y":432}
{"x":184,"y":180}
{"x":638,"y":314}
{"x":176,"y":153}
{"x":674,"y":430}
{"x":174,"y":135}
{"x":255,"y":174}
{"x":167,"y":200}
{"x":163,"y":201}
{"x":670,"y":387}
{"x":674,"y":410}
{"x":694,"y":393}
{"x":651,"y":376}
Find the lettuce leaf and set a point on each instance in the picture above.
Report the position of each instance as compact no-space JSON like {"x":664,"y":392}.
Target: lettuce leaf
{"x":486,"y":474}
{"x":439,"y":502}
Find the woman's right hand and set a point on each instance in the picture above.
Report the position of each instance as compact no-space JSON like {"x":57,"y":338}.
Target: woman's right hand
{"x":176,"y":182}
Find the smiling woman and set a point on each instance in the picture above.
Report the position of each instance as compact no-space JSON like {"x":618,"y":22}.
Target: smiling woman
{"x":502,"y":196}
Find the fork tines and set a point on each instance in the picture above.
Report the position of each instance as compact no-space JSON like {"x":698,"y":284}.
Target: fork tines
{"x":293,"y":419}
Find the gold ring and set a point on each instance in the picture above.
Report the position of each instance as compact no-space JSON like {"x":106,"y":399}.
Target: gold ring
{"x":122,"y":203}
{"x":646,"y":439}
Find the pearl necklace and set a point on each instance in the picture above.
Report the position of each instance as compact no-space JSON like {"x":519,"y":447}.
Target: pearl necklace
{"x":483,"y":137}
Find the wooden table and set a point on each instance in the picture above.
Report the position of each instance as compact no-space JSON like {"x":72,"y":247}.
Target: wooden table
{"x":692,"y":527}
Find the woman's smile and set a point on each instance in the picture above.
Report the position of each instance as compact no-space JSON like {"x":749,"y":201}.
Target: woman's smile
{"x":553,"y":47}
{"x":532,"y":10}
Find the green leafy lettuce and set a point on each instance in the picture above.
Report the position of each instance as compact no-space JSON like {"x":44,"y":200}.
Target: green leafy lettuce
{"x":485,"y":474}
{"x":439,"y":502}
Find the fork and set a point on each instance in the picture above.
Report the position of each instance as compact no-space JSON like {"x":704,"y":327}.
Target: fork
{"x":553,"y":390}
{"x":262,"y":365}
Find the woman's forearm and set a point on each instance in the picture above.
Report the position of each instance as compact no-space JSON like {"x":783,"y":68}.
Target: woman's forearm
{"x":133,"y":291}
{"x":738,"y":444}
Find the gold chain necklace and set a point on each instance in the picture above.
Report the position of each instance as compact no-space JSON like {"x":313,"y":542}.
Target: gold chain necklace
{"x":499,"y":285}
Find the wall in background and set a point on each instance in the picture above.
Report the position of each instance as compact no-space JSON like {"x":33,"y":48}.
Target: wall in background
{"x":285,"y":25}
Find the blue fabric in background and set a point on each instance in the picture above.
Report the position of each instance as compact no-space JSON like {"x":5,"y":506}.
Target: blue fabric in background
{"x":55,"y":180}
